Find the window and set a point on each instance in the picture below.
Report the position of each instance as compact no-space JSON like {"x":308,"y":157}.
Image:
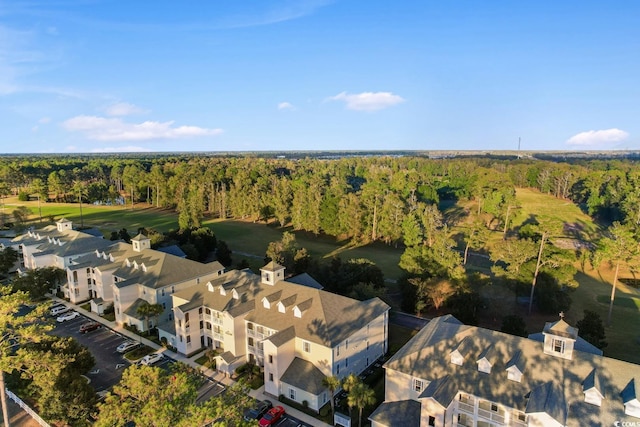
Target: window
{"x":173,"y":289}
{"x":250,"y":326}
{"x":346,"y":362}
{"x":338,"y":350}
{"x":338,"y":368}
{"x":200,"y":310}
{"x":418,"y":385}
{"x":558,"y":346}
{"x":88,"y":270}
{"x":186,"y":318}
{"x":432,"y":421}
{"x":270,"y":377}
{"x":162,"y":292}
{"x":188,"y":339}
{"x":207,"y":311}
{"x":346,"y":344}
{"x":494,"y":407}
{"x":201,"y":324}
{"x":306,"y":346}
{"x":292,"y":394}
{"x":208,"y":325}
{"x":180,"y":338}
{"x":271,"y":358}
{"x":367,"y":345}
{"x":179,"y":323}
{"x":250,"y":341}
{"x":164,"y":305}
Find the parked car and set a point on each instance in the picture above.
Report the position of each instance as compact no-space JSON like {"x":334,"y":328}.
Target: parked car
{"x":67,"y":316}
{"x":272,"y":416}
{"x":59,"y":309}
{"x":89,"y":326}
{"x":257,"y":411}
{"x":127,"y":346}
{"x":151,"y":359}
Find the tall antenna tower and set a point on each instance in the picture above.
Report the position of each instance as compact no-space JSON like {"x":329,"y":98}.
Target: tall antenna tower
{"x":519,"y":139}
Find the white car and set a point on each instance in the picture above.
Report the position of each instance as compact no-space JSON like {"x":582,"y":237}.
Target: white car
{"x":67,"y":316}
{"x":126,"y":346}
{"x":151,"y":359}
{"x":59,"y":309}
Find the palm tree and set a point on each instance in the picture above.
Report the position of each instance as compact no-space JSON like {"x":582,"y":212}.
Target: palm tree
{"x":348,"y":384}
{"x":150,"y":310}
{"x":360,"y":396}
{"x":332,"y":383}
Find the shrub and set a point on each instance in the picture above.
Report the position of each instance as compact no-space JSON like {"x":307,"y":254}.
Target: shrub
{"x":324,"y":411}
{"x":23,"y":196}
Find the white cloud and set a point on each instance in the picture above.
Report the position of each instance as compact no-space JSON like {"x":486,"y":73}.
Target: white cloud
{"x":114,"y":129}
{"x":286,"y":106}
{"x":598,"y":137}
{"x":368,"y":101}
{"x":44,"y":120}
{"x":124,"y":109}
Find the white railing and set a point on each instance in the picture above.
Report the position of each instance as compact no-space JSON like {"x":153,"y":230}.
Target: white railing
{"x":490,"y":415}
{"x":27,"y":409}
{"x":465,"y":407}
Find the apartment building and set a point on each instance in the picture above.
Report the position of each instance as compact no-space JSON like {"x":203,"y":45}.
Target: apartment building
{"x":298,"y":333}
{"x":451,"y":374}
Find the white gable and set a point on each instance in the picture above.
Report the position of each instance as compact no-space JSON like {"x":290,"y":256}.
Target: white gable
{"x":210,"y":287}
{"x":234,"y":294}
{"x":281,"y":307}
{"x":457,"y":358}
{"x":514,"y":374}
{"x":484,"y":365}
{"x":266,"y":303}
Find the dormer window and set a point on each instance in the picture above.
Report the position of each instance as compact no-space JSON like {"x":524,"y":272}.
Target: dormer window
{"x":592,"y":390}
{"x":281,"y":307}
{"x":143,"y":267}
{"x":558,"y":346}
{"x":630,"y":399}
{"x":222,"y":291}
{"x":484,"y":363}
{"x":234,"y":294}
{"x":210,"y":287}
{"x":127,"y":262}
{"x":266,"y":303}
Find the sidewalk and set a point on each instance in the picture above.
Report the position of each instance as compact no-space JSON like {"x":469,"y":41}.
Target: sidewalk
{"x":214,"y":375}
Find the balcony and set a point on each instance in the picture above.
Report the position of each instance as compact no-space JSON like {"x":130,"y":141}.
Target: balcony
{"x":466,"y":408}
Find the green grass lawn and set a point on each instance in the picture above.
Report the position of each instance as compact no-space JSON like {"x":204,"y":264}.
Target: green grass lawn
{"x":253,"y":238}
{"x":544,"y":207}
{"x":106,"y":218}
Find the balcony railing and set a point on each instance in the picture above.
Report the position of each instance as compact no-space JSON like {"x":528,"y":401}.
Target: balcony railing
{"x":490,"y":415}
{"x":465,"y":407}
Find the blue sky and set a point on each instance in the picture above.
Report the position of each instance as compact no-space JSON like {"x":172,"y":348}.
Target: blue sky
{"x":254,"y":75}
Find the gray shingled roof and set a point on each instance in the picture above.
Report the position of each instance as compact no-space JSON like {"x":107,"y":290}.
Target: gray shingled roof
{"x":550,"y":399}
{"x":427,"y":356}
{"x":327,"y":318}
{"x":304,"y":375}
{"x":403,"y":413}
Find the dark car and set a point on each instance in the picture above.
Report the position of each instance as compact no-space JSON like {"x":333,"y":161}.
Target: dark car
{"x":89,"y":326}
{"x":272,"y":416}
{"x":257,"y":411}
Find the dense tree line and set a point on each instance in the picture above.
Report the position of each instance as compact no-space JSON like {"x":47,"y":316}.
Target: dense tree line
{"x":395,"y":200}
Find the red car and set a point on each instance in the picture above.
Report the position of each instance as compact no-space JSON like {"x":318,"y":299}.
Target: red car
{"x":272,"y":417}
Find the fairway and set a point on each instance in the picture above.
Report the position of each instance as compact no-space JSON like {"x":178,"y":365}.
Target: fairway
{"x":105,"y":218}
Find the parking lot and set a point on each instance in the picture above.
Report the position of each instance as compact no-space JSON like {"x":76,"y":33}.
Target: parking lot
{"x":107,"y":371}
{"x":102,"y":343}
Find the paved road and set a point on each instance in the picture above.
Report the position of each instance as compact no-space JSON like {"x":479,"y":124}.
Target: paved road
{"x":408,"y":320}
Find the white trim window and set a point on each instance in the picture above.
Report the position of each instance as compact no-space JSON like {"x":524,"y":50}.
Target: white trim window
{"x":418,"y":385}
{"x":558,"y":346}
{"x":306,"y":346}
